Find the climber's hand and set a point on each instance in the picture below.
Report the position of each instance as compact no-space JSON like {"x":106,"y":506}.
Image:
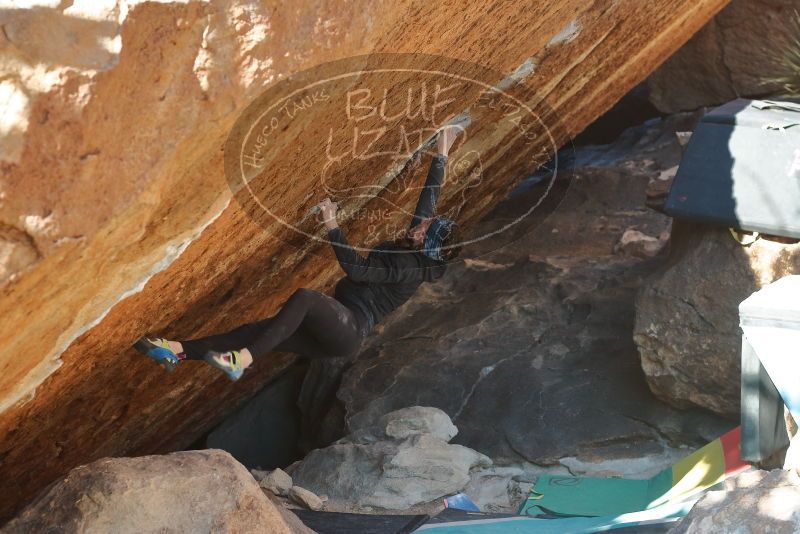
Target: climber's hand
{"x":328,"y":210}
{"x":446,"y":138}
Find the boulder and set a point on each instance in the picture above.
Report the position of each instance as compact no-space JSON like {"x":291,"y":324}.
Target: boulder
{"x":365,"y":471}
{"x":501,"y":489}
{"x":407,"y":422}
{"x":635,"y":243}
{"x":737,"y":54}
{"x":305,"y":498}
{"x":528,"y":348}
{"x":753,"y":502}
{"x":112,"y":175}
{"x":277,"y":481}
{"x":195,"y":491}
{"x":687,"y":314}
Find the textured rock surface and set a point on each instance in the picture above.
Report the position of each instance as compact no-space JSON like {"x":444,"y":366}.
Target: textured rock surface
{"x":112,"y":168}
{"x":753,"y":502}
{"x":501,"y":489}
{"x":635,"y":243}
{"x":277,"y":481}
{"x":305,"y":498}
{"x":17,"y":253}
{"x":687,"y":320}
{"x":733,"y":56}
{"x":529,"y":348}
{"x":368,"y":469}
{"x":197,"y":491}
{"x":418,"y":420}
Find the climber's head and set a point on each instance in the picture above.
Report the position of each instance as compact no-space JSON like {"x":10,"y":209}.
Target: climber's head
{"x":441,"y":238}
{"x":433,"y":237}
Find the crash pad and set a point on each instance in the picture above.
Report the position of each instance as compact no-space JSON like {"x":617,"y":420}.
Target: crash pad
{"x":733,"y":153}
{"x":346,"y":523}
{"x":566,"y":496}
{"x":452,"y":521}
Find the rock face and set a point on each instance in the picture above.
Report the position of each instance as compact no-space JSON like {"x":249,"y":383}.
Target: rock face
{"x":197,"y":491}
{"x":687,"y":319}
{"x":112,"y":183}
{"x":403,"y":461}
{"x":734,"y":55}
{"x":759,"y":501}
{"x":529,"y":348}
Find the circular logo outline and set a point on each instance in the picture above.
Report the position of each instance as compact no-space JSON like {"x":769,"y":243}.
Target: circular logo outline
{"x":360,"y":73}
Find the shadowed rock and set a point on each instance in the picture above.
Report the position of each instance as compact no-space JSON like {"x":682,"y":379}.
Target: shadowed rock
{"x":529,"y":348}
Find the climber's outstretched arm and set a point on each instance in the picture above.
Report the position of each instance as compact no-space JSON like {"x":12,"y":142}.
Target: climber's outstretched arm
{"x":426,"y":205}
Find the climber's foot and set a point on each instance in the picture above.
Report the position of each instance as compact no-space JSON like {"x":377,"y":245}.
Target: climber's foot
{"x":229,"y":362}
{"x":160,"y":350}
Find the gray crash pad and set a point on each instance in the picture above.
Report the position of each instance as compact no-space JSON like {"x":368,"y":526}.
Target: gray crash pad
{"x":741,"y":169}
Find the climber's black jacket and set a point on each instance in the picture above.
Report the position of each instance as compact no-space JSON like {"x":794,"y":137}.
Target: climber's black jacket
{"x":389,"y":275}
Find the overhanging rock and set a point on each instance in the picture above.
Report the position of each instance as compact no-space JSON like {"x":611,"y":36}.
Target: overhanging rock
{"x":112,"y":170}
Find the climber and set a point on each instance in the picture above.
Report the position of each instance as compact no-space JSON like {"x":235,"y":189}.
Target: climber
{"x":315,"y":325}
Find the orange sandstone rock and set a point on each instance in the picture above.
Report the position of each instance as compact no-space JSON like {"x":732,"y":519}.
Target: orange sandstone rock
{"x":112,"y":172}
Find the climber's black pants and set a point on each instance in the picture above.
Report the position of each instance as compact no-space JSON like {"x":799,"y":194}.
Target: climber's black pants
{"x":310,"y":324}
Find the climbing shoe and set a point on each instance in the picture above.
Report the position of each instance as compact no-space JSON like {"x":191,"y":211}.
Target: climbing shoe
{"x":158,"y":349}
{"x":228,"y":362}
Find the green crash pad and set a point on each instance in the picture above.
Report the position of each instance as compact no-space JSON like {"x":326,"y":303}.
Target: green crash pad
{"x":593,"y":497}
{"x":566,"y":496}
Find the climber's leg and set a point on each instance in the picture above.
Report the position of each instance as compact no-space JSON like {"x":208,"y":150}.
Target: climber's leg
{"x":309,"y":323}
{"x":327,"y":324}
{"x":235,"y":339}
{"x":300,"y":342}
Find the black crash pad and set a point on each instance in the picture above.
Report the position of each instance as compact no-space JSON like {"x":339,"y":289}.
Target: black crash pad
{"x":343,"y":523}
